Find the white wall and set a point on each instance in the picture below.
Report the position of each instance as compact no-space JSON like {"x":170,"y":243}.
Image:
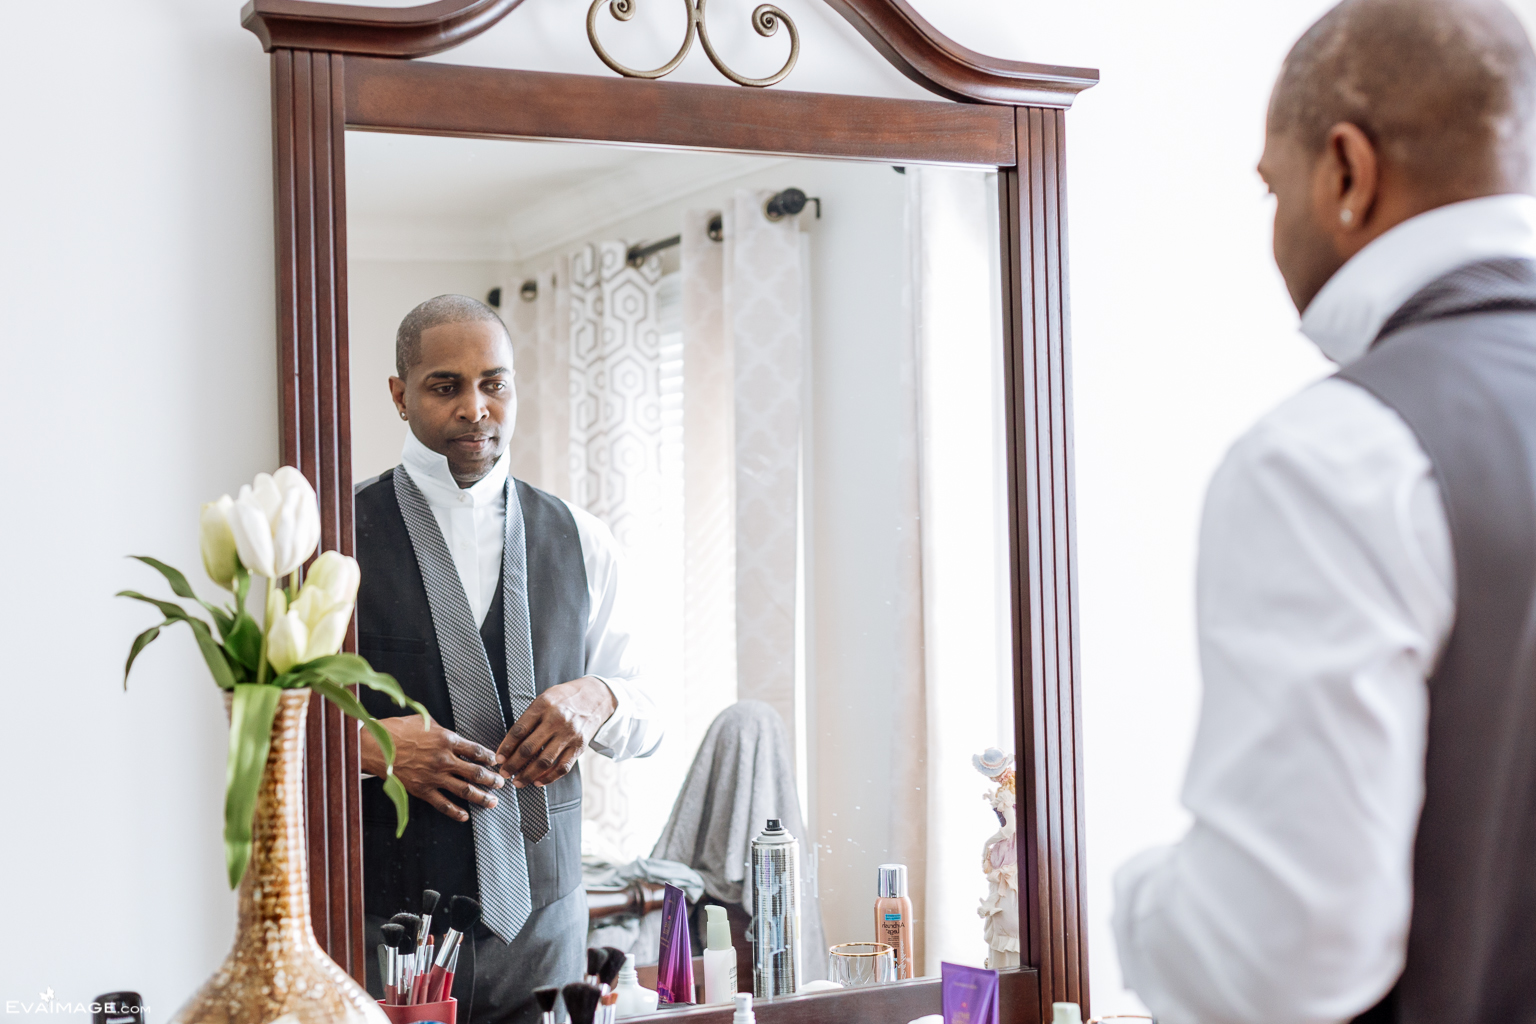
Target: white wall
{"x":1182,"y":336}
{"x":139,"y":360}
{"x":137,"y":290}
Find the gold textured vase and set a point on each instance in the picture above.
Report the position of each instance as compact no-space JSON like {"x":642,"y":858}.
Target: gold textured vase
{"x":277,"y":970}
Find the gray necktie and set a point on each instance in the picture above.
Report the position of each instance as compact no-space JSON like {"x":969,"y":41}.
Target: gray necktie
{"x":500,"y":857}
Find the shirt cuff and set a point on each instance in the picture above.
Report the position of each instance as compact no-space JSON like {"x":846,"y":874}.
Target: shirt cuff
{"x":608,"y":736}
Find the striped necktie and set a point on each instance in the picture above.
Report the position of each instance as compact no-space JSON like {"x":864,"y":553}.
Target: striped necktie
{"x":500,"y":857}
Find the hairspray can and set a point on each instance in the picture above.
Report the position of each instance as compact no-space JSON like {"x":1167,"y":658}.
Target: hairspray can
{"x":775,"y":912}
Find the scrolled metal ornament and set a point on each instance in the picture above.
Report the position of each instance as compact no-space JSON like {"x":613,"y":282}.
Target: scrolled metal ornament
{"x":765,"y":21}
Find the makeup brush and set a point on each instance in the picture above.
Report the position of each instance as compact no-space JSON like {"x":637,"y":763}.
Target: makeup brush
{"x":595,"y":960}
{"x":546,"y":999}
{"x":407,"y":966}
{"x":463,"y":915}
{"x":581,"y":1002}
{"x":606,"y":976}
{"x":429,"y":898}
{"x":393,"y":934}
{"x":410,"y":922}
{"x":453,"y":969}
{"x":410,"y":966}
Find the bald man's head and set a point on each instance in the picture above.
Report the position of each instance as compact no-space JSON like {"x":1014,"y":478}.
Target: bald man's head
{"x":442,"y":309}
{"x":1386,"y":109}
{"x":1446,"y":89}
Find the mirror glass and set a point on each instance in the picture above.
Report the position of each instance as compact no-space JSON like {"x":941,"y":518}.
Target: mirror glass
{"x":755,"y":409}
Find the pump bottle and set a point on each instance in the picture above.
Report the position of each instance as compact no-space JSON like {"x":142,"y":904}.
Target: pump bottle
{"x":719,"y":957}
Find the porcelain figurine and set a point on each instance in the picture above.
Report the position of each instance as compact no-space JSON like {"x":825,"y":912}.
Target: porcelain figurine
{"x":1000,"y":863}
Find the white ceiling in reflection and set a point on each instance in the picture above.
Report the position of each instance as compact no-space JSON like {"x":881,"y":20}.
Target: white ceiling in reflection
{"x":428,"y":197}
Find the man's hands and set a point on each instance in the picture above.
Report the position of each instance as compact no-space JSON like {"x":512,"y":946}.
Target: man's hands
{"x":433,"y":763}
{"x":544,"y":744}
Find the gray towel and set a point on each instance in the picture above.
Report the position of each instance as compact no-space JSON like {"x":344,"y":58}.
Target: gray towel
{"x":743,"y":775}
{"x":599,"y":874}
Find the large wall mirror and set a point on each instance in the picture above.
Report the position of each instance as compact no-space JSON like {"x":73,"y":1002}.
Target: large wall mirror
{"x":800,"y":363}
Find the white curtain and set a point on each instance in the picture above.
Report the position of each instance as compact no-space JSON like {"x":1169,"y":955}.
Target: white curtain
{"x":709,"y":509}
{"x":744,"y":332}
{"x":966,"y":646}
{"x":762,"y":291}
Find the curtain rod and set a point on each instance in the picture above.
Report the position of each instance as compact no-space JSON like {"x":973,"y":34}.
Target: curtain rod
{"x":780,"y":205}
{"x":783,"y":204}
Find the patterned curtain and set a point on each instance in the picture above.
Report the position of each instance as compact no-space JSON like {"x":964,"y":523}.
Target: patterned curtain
{"x":620,"y":471}
{"x":762,"y":295}
{"x":615,"y":446}
{"x":598,"y":371}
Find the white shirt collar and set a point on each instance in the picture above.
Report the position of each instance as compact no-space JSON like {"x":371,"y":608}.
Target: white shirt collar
{"x":1352,"y":307}
{"x":430,"y":472}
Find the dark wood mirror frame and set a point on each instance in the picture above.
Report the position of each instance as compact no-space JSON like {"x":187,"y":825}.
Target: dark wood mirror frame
{"x":336,"y":67}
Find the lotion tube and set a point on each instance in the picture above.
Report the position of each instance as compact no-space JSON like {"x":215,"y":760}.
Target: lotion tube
{"x":719,"y":957}
{"x":893,"y":915}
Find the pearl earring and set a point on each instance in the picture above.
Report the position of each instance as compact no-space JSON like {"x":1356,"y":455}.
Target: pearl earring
{"x":1346,"y":216}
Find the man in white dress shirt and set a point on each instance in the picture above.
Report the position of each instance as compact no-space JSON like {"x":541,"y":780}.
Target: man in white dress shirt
{"x":1361,"y":782}
{"x":584,"y":687}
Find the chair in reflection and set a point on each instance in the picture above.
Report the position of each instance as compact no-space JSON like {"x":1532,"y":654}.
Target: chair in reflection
{"x":742,"y":775}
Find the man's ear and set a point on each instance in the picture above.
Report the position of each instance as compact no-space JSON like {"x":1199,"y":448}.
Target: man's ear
{"x":397,"y":392}
{"x":1346,"y":186}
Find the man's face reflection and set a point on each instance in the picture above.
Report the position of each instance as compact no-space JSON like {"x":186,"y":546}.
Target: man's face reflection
{"x":459,"y":397}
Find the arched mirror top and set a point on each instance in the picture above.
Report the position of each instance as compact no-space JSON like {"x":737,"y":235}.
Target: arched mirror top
{"x":901,"y":35}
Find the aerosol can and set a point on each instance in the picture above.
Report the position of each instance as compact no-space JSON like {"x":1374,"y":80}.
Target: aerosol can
{"x":775,"y":912}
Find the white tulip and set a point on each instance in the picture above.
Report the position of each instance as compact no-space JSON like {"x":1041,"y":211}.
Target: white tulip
{"x":220,"y":556}
{"x":253,"y":534}
{"x":315,"y":625}
{"x":287,"y":642}
{"x":327,"y":635}
{"x":336,"y":574}
{"x":296,"y":530}
{"x":276,"y":523}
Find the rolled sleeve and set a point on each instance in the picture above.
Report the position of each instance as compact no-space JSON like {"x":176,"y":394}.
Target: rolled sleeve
{"x":635,"y":728}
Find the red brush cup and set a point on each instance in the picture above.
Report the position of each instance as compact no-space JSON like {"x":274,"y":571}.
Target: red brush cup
{"x":444,"y":1010}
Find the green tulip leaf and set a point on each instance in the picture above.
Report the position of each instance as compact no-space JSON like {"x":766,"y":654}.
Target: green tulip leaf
{"x":354,"y":670}
{"x":250,"y":739}
{"x":213,"y":654}
{"x":181,"y":588}
{"x":395,"y":790}
{"x":243,"y":642}
{"x":140,"y":642}
{"x":347,"y":701}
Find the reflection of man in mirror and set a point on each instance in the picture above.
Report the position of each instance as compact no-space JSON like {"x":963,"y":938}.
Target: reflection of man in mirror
{"x":1363,"y":783}
{"x":492,"y":603}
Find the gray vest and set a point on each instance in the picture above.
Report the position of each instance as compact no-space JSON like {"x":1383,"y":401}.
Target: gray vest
{"x":1458,"y":363}
{"x":394,"y":632}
